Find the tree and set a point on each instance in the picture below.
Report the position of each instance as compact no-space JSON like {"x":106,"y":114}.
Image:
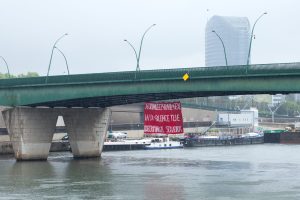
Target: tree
{"x":29,"y":74}
{"x":290,"y":108}
{"x":2,"y":76}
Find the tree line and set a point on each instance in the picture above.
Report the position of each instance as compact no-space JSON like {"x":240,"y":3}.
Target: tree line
{"x":28,"y":74}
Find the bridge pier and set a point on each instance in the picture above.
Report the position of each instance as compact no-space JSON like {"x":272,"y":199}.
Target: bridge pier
{"x":31,"y":131}
{"x":87,"y":129}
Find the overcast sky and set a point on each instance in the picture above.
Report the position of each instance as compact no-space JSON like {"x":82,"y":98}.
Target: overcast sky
{"x":97,"y":29}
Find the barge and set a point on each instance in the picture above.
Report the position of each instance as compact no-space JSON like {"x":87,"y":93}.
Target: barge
{"x":282,"y":136}
{"x":207,"y":141}
{"x":125,"y":145}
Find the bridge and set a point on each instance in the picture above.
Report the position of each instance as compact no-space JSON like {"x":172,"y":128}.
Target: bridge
{"x":109,"y":89}
{"x":33,"y":104}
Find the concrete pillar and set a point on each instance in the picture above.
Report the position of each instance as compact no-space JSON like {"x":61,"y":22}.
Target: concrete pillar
{"x":31,"y":131}
{"x":87,"y":129}
{"x":2,"y":124}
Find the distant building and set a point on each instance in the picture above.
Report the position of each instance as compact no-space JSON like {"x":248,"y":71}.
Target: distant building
{"x":235,"y":33}
{"x":277,"y":99}
{"x":244,"y":118}
{"x":296,"y":97}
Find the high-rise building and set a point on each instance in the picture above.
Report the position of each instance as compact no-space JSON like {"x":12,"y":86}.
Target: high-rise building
{"x":235,"y":34}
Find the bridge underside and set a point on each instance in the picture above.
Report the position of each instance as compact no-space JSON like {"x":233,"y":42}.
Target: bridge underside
{"x":108,"y":101}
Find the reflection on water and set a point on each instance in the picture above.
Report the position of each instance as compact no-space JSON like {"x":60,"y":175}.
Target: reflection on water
{"x":158,"y":188}
{"x":239,"y":172}
{"x":59,"y":178}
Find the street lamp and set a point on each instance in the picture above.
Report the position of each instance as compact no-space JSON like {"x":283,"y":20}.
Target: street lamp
{"x":273,"y":109}
{"x":64,"y":58}
{"x":52,"y":54}
{"x":138,"y":55}
{"x":222,"y":45}
{"x":6,"y":66}
{"x":251,"y":36}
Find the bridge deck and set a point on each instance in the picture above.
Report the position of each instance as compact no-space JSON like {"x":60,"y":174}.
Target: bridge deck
{"x":118,"y":88}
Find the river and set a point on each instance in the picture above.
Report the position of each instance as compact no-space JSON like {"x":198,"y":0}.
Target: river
{"x":265,"y":171}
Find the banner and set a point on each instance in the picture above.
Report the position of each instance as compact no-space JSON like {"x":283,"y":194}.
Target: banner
{"x":163,"y":117}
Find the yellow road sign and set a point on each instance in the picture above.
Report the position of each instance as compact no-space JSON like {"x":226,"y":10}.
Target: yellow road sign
{"x":186,"y":77}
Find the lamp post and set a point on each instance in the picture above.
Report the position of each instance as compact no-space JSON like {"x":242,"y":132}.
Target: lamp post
{"x":64,"y":58}
{"x":223,"y":47}
{"x":52,"y":54}
{"x":273,"y":109}
{"x":6,"y":66}
{"x":138,"y":55}
{"x":251,"y":37}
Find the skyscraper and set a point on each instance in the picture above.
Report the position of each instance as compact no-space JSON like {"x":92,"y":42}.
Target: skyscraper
{"x":235,"y":34}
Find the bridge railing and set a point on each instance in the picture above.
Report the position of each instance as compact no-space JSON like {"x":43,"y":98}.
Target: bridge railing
{"x":161,"y":74}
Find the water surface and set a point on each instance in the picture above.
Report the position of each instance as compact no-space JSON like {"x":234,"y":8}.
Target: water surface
{"x":267,"y":171}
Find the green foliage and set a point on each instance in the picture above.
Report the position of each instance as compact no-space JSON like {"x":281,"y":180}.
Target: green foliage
{"x":2,"y":76}
{"x":29,"y":74}
{"x":289,"y":108}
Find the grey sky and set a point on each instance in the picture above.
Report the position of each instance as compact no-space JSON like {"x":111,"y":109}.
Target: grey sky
{"x":97,"y":29}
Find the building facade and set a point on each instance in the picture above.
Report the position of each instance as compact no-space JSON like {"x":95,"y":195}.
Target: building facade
{"x":277,"y":99}
{"x":235,"y":34}
{"x":239,"y":119}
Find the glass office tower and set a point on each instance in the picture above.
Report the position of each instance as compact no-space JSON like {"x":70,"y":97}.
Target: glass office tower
{"x":235,"y":34}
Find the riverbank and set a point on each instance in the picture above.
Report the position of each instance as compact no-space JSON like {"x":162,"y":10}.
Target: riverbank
{"x":57,"y":144}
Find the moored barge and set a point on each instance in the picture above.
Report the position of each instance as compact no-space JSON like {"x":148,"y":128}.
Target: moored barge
{"x":206,"y":141}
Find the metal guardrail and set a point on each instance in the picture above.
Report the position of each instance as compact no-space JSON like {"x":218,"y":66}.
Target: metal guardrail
{"x":162,"y":74}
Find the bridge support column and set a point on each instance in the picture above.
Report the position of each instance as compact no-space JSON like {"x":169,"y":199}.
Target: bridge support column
{"x":87,"y":129}
{"x":31,"y":131}
{"x":2,"y":124}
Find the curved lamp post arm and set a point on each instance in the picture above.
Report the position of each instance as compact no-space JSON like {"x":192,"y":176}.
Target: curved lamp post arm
{"x":223,"y":47}
{"x":64,"y":58}
{"x":141,"y":44}
{"x":6,"y":66}
{"x":251,"y":36}
{"x":52,"y":54}
{"x":60,"y":39}
{"x":136,"y":56}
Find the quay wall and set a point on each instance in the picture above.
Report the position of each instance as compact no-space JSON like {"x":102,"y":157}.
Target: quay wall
{"x":7,"y":148}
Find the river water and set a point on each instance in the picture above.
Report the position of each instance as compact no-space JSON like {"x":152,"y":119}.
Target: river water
{"x":265,"y":171}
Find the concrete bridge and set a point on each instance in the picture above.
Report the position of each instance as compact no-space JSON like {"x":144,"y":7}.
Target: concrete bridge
{"x":33,"y":105}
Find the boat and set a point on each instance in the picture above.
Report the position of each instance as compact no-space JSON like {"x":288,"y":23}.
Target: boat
{"x":204,"y":141}
{"x":163,"y":143}
{"x":125,"y":144}
{"x":252,"y":135}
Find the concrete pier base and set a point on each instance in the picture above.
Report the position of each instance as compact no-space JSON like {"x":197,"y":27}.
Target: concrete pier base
{"x":31,"y":131}
{"x":87,"y":129}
